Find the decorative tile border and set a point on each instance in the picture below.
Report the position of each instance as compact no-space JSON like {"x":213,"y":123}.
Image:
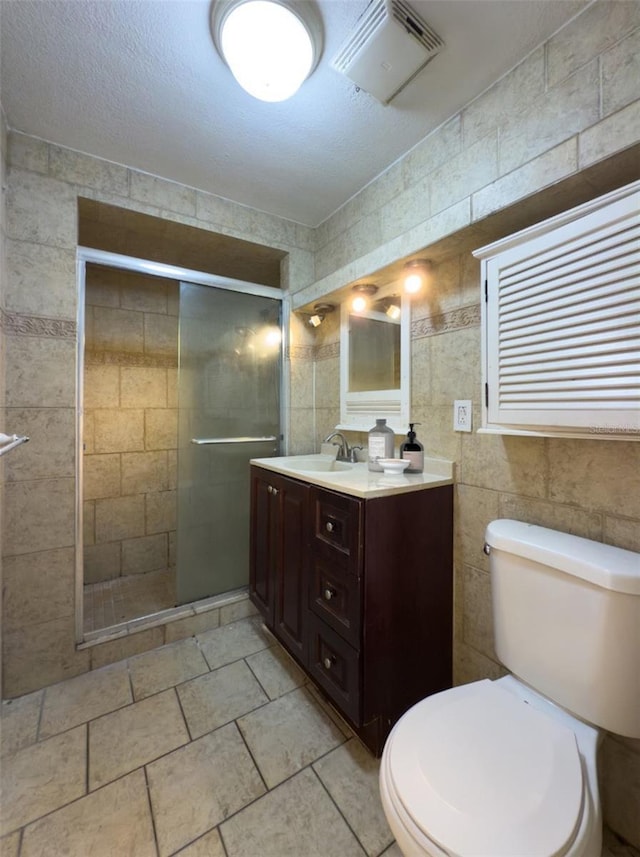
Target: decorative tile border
{"x":326,"y":352}
{"x":16,"y":324}
{"x":300,"y":352}
{"x":446,"y":322}
{"x":127,"y":358}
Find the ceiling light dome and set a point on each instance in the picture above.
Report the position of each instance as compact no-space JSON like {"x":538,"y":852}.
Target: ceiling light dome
{"x":271,"y":46}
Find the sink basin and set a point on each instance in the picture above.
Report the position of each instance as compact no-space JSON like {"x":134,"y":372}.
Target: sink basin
{"x":316,"y":464}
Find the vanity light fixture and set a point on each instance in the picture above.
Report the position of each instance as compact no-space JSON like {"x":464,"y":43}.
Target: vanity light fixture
{"x":417,"y":274}
{"x":393,"y":311}
{"x":270,"y":46}
{"x":361,"y":295}
{"x":319,"y":312}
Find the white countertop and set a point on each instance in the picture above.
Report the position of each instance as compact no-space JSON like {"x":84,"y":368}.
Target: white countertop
{"x":356,"y":479}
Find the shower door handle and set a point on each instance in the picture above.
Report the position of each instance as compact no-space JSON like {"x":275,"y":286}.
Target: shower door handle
{"x":205,"y":441}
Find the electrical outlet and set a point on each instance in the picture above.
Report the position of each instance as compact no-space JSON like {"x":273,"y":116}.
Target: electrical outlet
{"x":462,"y":415}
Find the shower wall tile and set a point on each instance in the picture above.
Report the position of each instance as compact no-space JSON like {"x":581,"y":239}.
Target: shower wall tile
{"x":118,"y":431}
{"x":147,"y":553}
{"x":102,"y":562}
{"x":79,"y":169}
{"x":51,"y":450}
{"x":27,"y":153}
{"x":119,"y":518}
{"x":161,"y":511}
{"x":39,"y":515}
{"x":37,"y":587}
{"x":160,"y":334}
{"x":89,"y":522}
{"x":40,"y":372}
{"x":101,"y":477}
{"x":161,"y":428}
{"x":162,"y":193}
{"x":40,"y":280}
{"x":144,"y":472}
{"x":117,"y":330}
{"x":142,"y":387}
{"x":144,"y":294}
{"x":101,"y":386}
{"x":41,"y":210}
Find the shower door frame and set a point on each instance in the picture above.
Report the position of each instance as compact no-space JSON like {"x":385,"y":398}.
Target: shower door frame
{"x":88,"y":255}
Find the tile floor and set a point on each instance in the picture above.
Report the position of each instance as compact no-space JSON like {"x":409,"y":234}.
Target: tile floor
{"x":214,"y":746}
{"x":125,"y":598}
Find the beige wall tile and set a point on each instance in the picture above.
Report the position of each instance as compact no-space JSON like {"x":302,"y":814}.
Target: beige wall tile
{"x":554,"y":117}
{"x":593,"y":32}
{"x":102,"y":562}
{"x":78,"y":700}
{"x":596,"y":475}
{"x":622,"y":532}
{"x":145,"y":294}
{"x":143,"y":387}
{"x":118,"y":431}
{"x":503,"y":463}
{"x":164,"y":194}
{"x":101,"y":386}
{"x":42,"y":778}
{"x":469,"y":665}
{"x":240,"y":609}
{"x":364,"y":235}
{"x":39,"y":515}
{"x":40,"y":280}
{"x":101,"y":476}
{"x":41,"y":210}
{"x":76,"y":168}
{"x":147,"y":553}
{"x":475,"y":167}
{"x":160,"y":334}
{"x":409,"y":208}
{"x":477,"y":611}
{"x":436,"y":149}
{"x":27,"y":153}
{"x":569,"y":519}
{"x":38,"y":655}
{"x":116,"y":330}
{"x":161,"y":511}
{"x":144,"y":472}
{"x":119,"y":518}
{"x":473,"y":509}
{"x":19,"y":722}
{"x":127,"y":739}
{"x":89,"y":522}
{"x":124,"y":647}
{"x":327,"y":387}
{"x":620,"y":73}
{"x":613,"y":134}
{"x":161,"y":428}
{"x":38,"y":587}
{"x":40,"y":372}
{"x":101,"y":287}
{"x":115,"y":819}
{"x":545,"y":170}
{"x":455,"y":365}
{"x":51,"y":450}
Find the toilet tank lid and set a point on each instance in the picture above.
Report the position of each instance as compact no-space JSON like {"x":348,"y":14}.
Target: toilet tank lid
{"x":603,"y":565}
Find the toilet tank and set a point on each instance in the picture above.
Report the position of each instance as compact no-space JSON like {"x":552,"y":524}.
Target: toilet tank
{"x":566,"y":614}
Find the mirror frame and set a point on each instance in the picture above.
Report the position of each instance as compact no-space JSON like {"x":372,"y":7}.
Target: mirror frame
{"x":359,"y":411}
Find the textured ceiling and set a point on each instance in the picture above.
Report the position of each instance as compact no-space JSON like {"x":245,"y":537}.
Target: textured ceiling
{"x":138,"y":82}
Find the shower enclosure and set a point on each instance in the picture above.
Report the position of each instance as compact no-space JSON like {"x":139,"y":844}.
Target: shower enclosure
{"x":179,"y":387}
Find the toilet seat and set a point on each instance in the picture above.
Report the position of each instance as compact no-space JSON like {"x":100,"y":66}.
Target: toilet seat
{"x":522,"y":791}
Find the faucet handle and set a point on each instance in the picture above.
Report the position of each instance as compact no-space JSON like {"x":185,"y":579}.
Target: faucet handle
{"x":353,"y":455}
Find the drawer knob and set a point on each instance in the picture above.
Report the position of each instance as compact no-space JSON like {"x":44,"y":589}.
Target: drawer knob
{"x":269,"y":489}
{"x":329,"y":527}
{"x":275,"y":491}
{"x":329,"y":593}
{"x":328,"y":663}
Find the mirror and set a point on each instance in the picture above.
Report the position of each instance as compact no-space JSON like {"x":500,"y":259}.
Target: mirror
{"x":375,"y":365}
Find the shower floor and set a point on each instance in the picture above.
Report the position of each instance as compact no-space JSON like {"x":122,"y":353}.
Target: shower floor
{"x":125,"y":598}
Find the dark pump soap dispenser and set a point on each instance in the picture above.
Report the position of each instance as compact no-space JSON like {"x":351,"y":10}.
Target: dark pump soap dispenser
{"x":413,"y":451}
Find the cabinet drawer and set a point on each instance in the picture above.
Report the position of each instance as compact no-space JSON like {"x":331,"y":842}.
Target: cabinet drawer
{"x":335,"y":666}
{"x":336,"y":522}
{"x":334,"y":595}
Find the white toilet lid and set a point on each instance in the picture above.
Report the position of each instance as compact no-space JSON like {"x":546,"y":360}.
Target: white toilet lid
{"x":481,"y":772}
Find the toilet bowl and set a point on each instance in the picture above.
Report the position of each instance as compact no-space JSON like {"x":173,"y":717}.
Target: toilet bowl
{"x":492,"y":769}
{"x":508,"y":768}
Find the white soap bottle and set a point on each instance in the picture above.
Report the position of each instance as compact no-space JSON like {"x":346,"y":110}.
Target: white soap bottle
{"x":380,"y":444}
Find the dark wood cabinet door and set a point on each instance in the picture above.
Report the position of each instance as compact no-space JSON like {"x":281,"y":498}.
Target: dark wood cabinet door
{"x":290,"y":625}
{"x":263,"y":544}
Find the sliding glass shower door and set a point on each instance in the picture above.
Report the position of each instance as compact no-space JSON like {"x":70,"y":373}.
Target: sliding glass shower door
{"x":229,"y":412}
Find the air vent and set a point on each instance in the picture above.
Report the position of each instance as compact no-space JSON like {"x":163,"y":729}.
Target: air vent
{"x":390,"y":45}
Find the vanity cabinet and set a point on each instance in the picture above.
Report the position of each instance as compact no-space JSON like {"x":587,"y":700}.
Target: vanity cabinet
{"x":370,"y":613}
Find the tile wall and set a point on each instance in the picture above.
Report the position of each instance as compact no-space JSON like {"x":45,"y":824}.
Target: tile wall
{"x":130,"y":423}
{"x":565,"y":120}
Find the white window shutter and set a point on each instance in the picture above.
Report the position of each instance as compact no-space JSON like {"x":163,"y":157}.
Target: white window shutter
{"x":561,"y":323}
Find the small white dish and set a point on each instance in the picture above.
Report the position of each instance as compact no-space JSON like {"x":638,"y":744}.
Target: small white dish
{"x":394,"y":465}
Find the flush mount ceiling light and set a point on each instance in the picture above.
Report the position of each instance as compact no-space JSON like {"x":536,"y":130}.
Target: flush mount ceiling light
{"x":271,"y":46}
{"x":417,"y":274}
{"x":361,"y":295}
{"x":319,"y":312}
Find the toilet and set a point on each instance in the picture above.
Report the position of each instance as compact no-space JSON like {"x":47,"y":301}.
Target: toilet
{"x":508,"y":768}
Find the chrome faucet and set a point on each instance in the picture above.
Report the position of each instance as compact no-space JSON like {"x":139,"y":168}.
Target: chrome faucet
{"x":343,"y":452}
